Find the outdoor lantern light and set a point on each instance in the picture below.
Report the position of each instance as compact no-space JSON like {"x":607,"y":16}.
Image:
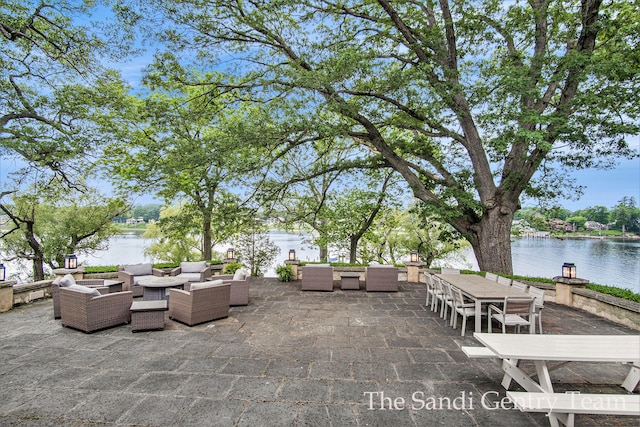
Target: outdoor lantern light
{"x":3,"y":271}
{"x":70,"y":261}
{"x":230,"y":253}
{"x":414,"y":256}
{"x":292,"y":254}
{"x":569,"y":270}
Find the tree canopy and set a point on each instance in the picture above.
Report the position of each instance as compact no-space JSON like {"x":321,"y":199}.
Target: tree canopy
{"x":476,"y":104}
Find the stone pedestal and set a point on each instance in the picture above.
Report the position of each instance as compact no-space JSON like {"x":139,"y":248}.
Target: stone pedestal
{"x":564,"y":286}
{"x":77,"y":273}
{"x":294,"y":268}
{"x":413,"y":271}
{"x":6,"y":295}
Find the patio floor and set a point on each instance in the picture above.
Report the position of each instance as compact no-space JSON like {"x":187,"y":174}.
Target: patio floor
{"x":290,"y":358}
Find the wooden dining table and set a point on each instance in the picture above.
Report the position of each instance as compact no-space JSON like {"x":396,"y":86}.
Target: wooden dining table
{"x":481,"y":291}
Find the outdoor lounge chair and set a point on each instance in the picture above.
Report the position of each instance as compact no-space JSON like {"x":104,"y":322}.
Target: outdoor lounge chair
{"x":381,"y":278}
{"x":317,"y":277}
{"x":131,"y":275}
{"x":203,"y":303}
{"x":88,"y":312}
{"x":68,"y":280}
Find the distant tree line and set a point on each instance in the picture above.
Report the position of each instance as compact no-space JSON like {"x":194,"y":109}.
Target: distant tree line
{"x":624,"y":216}
{"x":147,"y":212}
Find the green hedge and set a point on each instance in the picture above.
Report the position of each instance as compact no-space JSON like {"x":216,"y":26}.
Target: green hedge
{"x":95,"y":269}
{"x":616,"y":292}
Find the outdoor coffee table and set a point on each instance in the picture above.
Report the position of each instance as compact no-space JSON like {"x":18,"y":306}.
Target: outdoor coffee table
{"x":349,"y":280}
{"x":155,"y":288}
{"x":147,"y":315}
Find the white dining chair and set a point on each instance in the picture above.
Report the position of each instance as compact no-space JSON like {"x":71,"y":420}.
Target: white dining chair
{"x":515,"y":311}
{"x":491,"y":276}
{"x":519,"y":286}
{"x":504,"y":281}
{"x":538,"y":296}
{"x":463,"y":308}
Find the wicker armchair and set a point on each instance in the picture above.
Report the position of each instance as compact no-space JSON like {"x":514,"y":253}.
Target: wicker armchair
{"x":239,"y":288}
{"x":381,"y":278}
{"x":55,"y":291}
{"x":203,"y":303}
{"x":131,"y":274}
{"x":88,"y":313}
{"x":317,"y":277}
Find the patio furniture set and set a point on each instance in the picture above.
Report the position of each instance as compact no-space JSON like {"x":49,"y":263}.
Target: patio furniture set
{"x":378,"y":278}
{"x":510,"y":303}
{"x":91,"y":305}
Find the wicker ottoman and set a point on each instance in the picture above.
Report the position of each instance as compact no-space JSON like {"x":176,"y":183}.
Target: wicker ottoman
{"x":350,"y":280}
{"x":147,"y":315}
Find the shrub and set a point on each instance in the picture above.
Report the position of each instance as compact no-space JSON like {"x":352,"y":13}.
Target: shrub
{"x":231,"y":267}
{"x":284,"y":272}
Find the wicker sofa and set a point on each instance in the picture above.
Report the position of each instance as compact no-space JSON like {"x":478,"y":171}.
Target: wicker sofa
{"x":131,"y":275}
{"x":88,"y":312}
{"x":194,"y":272}
{"x":381,"y":278}
{"x":203,"y":303}
{"x":317,"y":277}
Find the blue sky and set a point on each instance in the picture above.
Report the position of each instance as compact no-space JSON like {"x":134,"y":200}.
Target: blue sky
{"x":606,"y":188}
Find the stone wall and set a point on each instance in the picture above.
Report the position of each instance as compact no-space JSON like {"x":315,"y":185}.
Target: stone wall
{"x":27,"y":292}
{"x":617,"y":310}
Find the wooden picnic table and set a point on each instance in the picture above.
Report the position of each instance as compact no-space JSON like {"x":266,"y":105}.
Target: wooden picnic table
{"x":542,"y":349}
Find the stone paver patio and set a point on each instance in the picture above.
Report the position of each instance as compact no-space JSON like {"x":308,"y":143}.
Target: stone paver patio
{"x":290,"y":358}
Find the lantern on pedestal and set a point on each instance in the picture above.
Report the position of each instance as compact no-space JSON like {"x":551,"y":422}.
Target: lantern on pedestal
{"x":230,"y":253}
{"x":414,"y":256}
{"x":3,"y":272}
{"x":292,"y":254}
{"x":70,"y":261}
{"x":569,"y":270}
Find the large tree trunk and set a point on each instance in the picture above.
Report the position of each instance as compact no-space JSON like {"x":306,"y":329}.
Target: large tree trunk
{"x":491,"y":241}
{"x":206,"y":240}
{"x":324,"y":253}
{"x":353,"y":246}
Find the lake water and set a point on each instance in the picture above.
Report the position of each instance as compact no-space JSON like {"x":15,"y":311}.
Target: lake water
{"x":603,"y":261}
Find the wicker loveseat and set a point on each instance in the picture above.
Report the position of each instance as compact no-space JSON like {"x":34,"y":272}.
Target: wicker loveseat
{"x":88,"y":312}
{"x":194,"y":272}
{"x":203,"y":303}
{"x":383,"y":278}
{"x":317,"y":277}
{"x":131,"y":275}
